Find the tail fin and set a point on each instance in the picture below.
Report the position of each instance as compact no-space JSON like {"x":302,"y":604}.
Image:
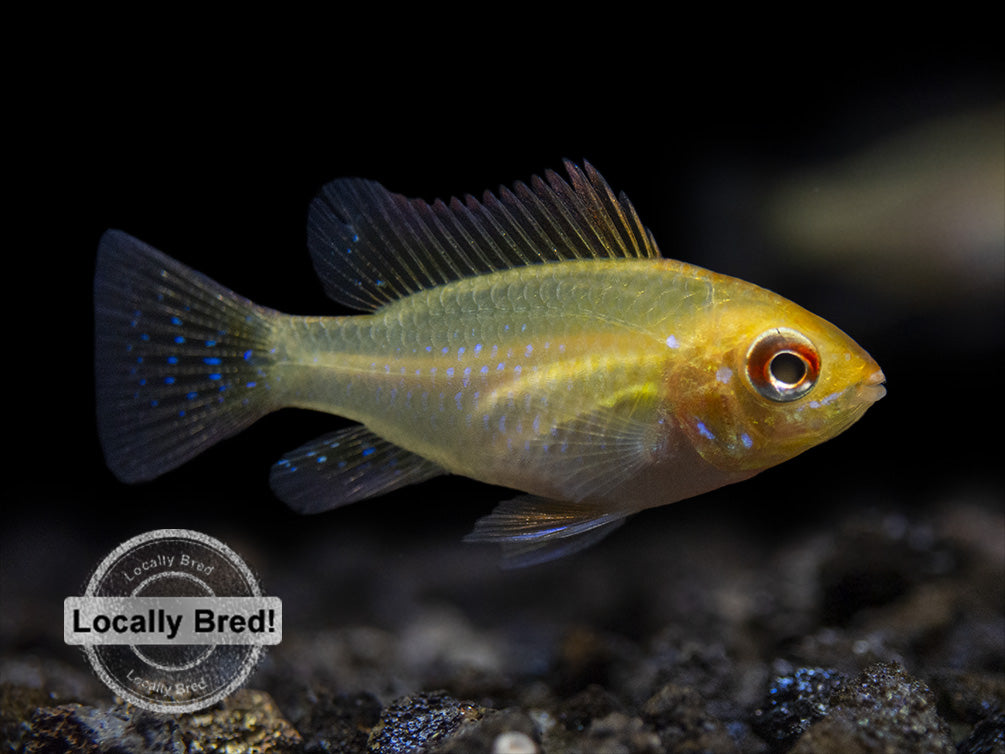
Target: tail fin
{"x":181,"y":362}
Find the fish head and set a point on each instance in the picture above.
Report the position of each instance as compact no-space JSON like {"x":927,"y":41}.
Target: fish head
{"x":770,"y":380}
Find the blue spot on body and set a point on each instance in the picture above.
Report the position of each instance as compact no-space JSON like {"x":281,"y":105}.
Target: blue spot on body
{"x":322,"y":459}
{"x":216,"y":376}
{"x":172,"y":360}
{"x":192,"y":396}
{"x":175,"y":321}
{"x":169,"y":380}
{"x":704,"y":431}
{"x":211,"y":361}
{"x":247,"y":355}
{"x":368,"y":452}
{"x":179,"y":340}
{"x":210,"y":343}
{"x":745,"y":439}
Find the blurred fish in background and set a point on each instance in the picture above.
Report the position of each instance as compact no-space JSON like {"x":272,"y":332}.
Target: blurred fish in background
{"x":919,"y":215}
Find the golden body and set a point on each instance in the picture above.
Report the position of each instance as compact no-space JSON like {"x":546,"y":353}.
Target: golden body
{"x":593,"y":375}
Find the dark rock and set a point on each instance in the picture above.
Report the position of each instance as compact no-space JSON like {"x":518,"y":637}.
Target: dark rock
{"x":419,"y":723}
{"x":338,"y":722}
{"x":497,"y":732}
{"x":617,"y":733}
{"x":796,"y":699}
{"x":680,"y":718}
{"x":592,"y":703}
{"x":121,"y":729}
{"x":17,"y":705}
{"x":967,"y":697}
{"x":988,"y":737}
{"x":247,"y":720}
{"x":882,"y":710}
{"x":676,"y":656}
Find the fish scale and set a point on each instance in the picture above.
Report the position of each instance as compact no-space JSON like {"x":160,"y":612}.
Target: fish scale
{"x":519,"y":367}
{"x":534,"y":340}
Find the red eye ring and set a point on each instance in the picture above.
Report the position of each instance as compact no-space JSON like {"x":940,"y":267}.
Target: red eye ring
{"x":782,"y":365}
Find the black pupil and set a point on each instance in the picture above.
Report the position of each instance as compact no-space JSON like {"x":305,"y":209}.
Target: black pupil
{"x":788,"y":368}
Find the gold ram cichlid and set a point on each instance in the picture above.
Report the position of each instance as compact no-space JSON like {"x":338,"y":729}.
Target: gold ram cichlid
{"x":535,"y":339}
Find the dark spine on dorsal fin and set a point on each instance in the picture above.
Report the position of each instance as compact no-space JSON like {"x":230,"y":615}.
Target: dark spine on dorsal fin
{"x":371,"y":247}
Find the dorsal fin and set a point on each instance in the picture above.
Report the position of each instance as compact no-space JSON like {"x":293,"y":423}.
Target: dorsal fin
{"x":371,"y":247}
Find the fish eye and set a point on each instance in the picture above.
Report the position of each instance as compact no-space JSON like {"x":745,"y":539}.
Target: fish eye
{"x":782,"y":365}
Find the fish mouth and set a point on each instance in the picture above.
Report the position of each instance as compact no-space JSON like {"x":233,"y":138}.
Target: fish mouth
{"x":872,"y":389}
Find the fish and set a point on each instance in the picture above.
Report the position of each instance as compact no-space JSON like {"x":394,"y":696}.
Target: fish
{"x":918,"y":215}
{"x":534,"y":338}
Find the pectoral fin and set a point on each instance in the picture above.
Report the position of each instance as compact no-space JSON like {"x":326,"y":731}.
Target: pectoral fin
{"x":534,"y":530}
{"x":345,"y":467}
{"x":599,"y":450}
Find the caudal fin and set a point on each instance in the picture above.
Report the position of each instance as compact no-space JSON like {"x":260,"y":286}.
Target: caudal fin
{"x":181,"y":361}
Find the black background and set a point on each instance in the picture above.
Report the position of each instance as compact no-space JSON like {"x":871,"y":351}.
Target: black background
{"x":209,"y":141}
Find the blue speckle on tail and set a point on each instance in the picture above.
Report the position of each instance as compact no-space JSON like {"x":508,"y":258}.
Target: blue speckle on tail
{"x":160,"y":397}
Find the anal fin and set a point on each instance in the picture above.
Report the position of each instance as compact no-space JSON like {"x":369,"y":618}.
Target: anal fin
{"x":535,"y":530}
{"x":345,"y":467}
